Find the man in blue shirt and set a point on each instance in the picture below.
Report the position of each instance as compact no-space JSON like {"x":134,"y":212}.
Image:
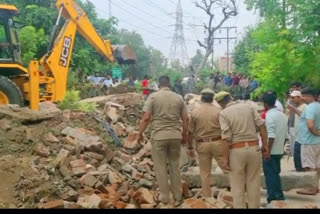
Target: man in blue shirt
{"x":309,"y":135}
{"x":228,"y":80}
{"x":253,"y":85}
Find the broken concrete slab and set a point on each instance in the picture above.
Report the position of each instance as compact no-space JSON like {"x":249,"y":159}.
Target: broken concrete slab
{"x":127,"y":99}
{"x":24,"y":114}
{"x":289,"y":180}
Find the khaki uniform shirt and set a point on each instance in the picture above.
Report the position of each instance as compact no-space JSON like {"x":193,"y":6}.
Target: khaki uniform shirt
{"x":204,"y":121}
{"x":166,"y":108}
{"x":239,"y":122}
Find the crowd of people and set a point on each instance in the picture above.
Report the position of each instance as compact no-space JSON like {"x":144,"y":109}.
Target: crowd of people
{"x":239,"y":85}
{"x":102,"y":84}
{"x":231,"y":135}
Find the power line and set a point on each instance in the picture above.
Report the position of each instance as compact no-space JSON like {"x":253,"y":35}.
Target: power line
{"x":157,"y":27}
{"x":162,"y":10}
{"x":148,"y":31}
{"x":143,"y":11}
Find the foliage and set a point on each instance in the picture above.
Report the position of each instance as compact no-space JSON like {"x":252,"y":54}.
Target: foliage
{"x":284,"y":47}
{"x":72,"y":102}
{"x":143,"y":53}
{"x":31,"y":41}
{"x":172,"y":74}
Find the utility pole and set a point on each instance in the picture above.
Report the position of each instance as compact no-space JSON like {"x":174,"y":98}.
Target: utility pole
{"x":212,"y":53}
{"x":228,"y":38}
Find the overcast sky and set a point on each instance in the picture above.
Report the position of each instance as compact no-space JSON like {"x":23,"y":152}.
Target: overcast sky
{"x":155,"y":19}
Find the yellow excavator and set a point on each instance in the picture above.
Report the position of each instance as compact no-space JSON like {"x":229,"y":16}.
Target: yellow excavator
{"x":46,"y":79}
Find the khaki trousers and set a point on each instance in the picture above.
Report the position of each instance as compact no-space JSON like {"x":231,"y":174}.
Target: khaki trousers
{"x":206,"y":152}
{"x":167,"y":153}
{"x":245,"y":177}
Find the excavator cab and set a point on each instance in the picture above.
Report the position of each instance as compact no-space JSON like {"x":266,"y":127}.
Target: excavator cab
{"x":9,"y":45}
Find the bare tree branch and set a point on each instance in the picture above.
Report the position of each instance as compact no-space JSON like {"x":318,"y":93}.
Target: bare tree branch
{"x":202,"y":45}
{"x":228,"y":9}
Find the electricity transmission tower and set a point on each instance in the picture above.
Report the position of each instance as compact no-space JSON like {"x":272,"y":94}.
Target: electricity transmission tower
{"x":178,"y":50}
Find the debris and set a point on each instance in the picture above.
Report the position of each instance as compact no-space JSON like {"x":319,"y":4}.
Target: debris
{"x":131,"y":142}
{"x":42,"y":150}
{"x":51,"y":138}
{"x":53,"y":204}
{"x":193,"y":203}
{"x":88,"y":180}
{"x":143,"y":196}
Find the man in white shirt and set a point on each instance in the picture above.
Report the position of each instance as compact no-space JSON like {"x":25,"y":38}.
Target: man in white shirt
{"x":297,"y":108}
{"x":277,"y":129}
{"x":107,"y":84}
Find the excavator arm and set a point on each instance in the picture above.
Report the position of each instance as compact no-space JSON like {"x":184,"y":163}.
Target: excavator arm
{"x":52,"y":70}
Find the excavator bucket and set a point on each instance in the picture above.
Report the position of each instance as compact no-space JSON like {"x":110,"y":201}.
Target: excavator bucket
{"x":124,"y":54}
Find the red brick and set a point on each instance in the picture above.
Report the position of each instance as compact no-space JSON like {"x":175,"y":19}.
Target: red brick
{"x":94,"y":201}
{"x":79,"y":171}
{"x":195,"y":204}
{"x":77,"y":163}
{"x":110,"y":190}
{"x":146,"y":206}
{"x":185,"y":190}
{"x":42,"y":150}
{"x":53,"y":204}
{"x":143,"y":196}
{"x":278,"y":205}
{"x":119,"y":205}
{"x":94,"y":155}
{"x":69,"y":140}
{"x":105,"y":204}
{"x":51,"y":138}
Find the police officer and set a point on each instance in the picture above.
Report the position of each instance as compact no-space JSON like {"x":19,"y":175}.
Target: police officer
{"x":238,"y":124}
{"x":166,"y":109}
{"x":204,"y":128}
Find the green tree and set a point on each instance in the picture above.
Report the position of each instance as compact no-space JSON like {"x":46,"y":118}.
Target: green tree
{"x":143,"y":53}
{"x":285,"y":46}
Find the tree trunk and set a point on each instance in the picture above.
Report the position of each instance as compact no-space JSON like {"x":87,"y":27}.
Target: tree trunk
{"x":203,"y":62}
